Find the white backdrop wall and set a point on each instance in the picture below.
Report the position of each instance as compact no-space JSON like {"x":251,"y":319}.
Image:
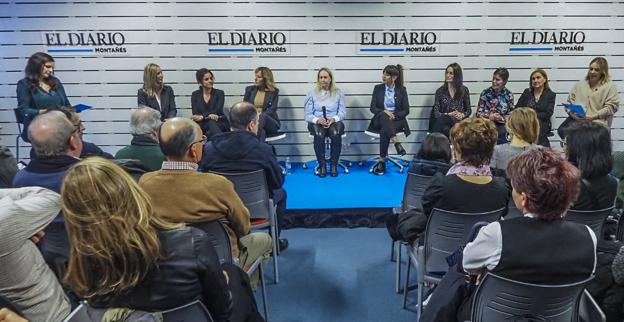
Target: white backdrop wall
{"x":174,"y":34}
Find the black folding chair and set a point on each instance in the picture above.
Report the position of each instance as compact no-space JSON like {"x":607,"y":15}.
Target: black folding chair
{"x":593,"y":218}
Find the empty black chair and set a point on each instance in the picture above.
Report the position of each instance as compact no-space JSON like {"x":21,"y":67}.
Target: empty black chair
{"x":499,"y":299}
{"x":593,"y":218}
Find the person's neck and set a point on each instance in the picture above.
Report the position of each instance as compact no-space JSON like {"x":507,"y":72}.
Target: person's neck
{"x":207,"y":91}
{"x":497,"y":90}
{"x":593,"y":84}
{"x":174,"y":159}
{"x":537,"y":92}
{"x":390,"y":85}
{"x":516,"y":141}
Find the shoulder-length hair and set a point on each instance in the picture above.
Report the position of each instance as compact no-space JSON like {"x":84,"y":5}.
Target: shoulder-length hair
{"x":524,"y":124}
{"x":200,"y":73}
{"x":588,"y":147}
{"x":267,"y":75}
{"x":458,"y":80}
{"x":541,"y":72}
{"x":150,"y":83}
{"x":604,"y":69}
{"x":436,"y":146}
{"x":112,"y":232}
{"x":33,"y":69}
{"x":395,"y":70}
{"x":332,"y":84}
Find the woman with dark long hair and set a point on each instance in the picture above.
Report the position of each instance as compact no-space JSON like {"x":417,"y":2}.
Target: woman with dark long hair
{"x":452,"y":101}
{"x":39,"y":90}
{"x":390,"y":107}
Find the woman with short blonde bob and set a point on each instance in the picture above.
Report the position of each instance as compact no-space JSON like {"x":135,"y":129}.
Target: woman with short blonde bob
{"x":124,"y":256}
{"x":155,"y":94}
{"x":523,"y":130}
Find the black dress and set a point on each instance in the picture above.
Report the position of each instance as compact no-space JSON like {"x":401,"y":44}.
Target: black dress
{"x":213,"y":106}
{"x":544,"y":108}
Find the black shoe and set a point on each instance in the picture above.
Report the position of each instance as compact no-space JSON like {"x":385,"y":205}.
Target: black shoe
{"x":322,"y":172}
{"x":282,"y":244}
{"x":400,"y":150}
{"x":380,"y":168}
{"x":333,"y":169}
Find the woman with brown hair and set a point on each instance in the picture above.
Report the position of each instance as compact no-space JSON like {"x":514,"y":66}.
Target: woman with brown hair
{"x":156,"y":94}
{"x":265,"y":96}
{"x":540,"y":98}
{"x":523,"y":129}
{"x":124,"y":256}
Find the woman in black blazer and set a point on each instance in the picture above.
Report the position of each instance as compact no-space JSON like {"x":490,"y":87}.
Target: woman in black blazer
{"x":390,"y":106}
{"x":265,"y":96}
{"x":540,"y":98}
{"x":207,"y":105}
{"x":156,"y":94}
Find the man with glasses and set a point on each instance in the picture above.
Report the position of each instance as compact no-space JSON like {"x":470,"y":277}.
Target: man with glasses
{"x":182,"y":194}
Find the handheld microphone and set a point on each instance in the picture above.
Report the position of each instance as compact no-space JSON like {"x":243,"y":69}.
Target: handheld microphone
{"x":324,"y":112}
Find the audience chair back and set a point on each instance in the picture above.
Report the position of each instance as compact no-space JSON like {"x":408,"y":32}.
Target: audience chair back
{"x":620,"y":231}
{"x":414,"y":189}
{"x":593,"y":218}
{"x":19,"y":118}
{"x":253,"y":190}
{"x":501,"y":299}
{"x":446,"y":232}
{"x":218,"y":238}
{"x":194,"y":311}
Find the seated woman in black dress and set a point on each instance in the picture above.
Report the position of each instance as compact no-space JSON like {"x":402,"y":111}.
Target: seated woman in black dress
{"x":39,"y":90}
{"x":390,"y":106}
{"x":207,"y":105}
{"x":265,"y":96}
{"x":156,"y":94}
{"x":123,"y":256}
{"x":452,"y":101}
{"x":588,"y":147}
{"x":539,"y":97}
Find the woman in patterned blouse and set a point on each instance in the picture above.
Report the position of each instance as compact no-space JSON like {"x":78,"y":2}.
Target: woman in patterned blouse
{"x":452,"y":102}
{"x":496,"y":102}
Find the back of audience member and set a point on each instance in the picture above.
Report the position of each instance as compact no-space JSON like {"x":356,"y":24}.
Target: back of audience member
{"x":558,"y":251}
{"x":25,"y":279}
{"x":144,"y":125}
{"x":523,"y":128}
{"x":588,"y":147}
{"x":8,"y":167}
{"x":434,"y":156}
{"x":123,"y":256}
{"x":618,"y":172}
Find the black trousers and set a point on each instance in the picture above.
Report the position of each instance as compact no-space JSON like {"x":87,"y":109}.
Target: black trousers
{"x":244,"y":307}
{"x":563,"y":128}
{"x":267,"y":126}
{"x":443,"y":124}
{"x":279,"y":199}
{"x":212,"y":127}
{"x":387,"y":129}
{"x":334,"y":132}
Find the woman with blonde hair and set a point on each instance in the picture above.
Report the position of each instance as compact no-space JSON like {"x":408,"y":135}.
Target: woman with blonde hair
{"x":324,"y":111}
{"x":540,"y":98}
{"x":156,"y":94}
{"x":124,"y":256}
{"x":597,"y":94}
{"x":264,"y":95}
{"x":523,"y":130}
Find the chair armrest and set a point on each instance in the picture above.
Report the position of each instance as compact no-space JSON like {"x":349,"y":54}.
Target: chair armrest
{"x":254,"y":266}
{"x":589,"y":311}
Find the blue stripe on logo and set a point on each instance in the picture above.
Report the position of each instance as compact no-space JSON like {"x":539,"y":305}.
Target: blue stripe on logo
{"x":248,"y":50}
{"x":383,"y":49}
{"x":70,"y":50}
{"x":531,"y":49}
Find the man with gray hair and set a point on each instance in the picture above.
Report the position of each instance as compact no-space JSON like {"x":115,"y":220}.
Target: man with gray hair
{"x":144,"y":125}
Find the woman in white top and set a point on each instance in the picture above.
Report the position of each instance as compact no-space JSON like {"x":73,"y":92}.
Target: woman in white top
{"x":324,"y":112}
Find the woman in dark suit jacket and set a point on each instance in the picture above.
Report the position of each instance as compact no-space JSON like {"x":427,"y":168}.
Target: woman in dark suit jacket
{"x":156,"y":94}
{"x":207,"y":105}
{"x":390,"y":106}
{"x":265,"y":96}
{"x":540,"y":98}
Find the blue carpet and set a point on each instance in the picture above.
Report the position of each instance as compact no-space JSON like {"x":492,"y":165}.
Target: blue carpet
{"x":335,"y":274}
{"x":358,"y":189}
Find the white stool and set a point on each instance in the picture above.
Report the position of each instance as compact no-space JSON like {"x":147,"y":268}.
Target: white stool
{"x":341,"y":163}
{"x":394,"y":160}
{"x":277,"y":137}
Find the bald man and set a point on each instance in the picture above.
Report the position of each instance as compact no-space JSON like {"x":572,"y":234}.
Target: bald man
{"x":182,"y":194}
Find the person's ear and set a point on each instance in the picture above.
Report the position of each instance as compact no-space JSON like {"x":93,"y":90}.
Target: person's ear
{"x":524,"y":200}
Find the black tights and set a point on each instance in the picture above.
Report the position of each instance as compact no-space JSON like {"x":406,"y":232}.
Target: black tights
{"x":334,"y":132}
{"x":387,"y":130}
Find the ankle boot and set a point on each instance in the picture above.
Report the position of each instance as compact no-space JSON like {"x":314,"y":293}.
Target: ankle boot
{"x":322,"y":169}
{"x":333,"y":168}
{"x":380,"y":169}
{"x":400,"y":150}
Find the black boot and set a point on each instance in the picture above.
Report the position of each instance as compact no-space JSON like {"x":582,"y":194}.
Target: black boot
{"x":400,"y":150}
{"x":333,"y":168}
{"x":322,"y":172}
{"x":380,"y":169}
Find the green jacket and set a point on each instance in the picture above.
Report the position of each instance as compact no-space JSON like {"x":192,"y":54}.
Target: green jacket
{"x":144,"y":149}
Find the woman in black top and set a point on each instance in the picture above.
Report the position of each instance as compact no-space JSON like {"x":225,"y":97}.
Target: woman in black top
{"x":588,"y":147}
{"x":540,"y":98}
{"x":207,"y":105}
{"x":156,"y":94}
{"x":452,"y":101}
{"x":264,"y":95}
{"x":390,"y":107}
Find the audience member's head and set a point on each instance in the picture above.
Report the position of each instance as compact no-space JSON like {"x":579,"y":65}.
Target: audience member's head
{"x":181,"y":139}
{"x":435,"y":147}
{"x":588,"y":147}
{"x":145,"y":121}
{"x":74,"y":118}
{"x":244,"y":117}
{"x":52,"y":134}
{"x":473,"y":141}
{"x":112,"y":233}
{"x":544,"y":184}
{"x":523,"y":124}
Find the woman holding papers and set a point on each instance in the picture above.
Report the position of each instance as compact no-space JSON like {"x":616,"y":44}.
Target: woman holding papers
{"x":324,"y":112}
{"x":39,"y":90}
{"x":597,"y":95}
{"x":539,"y":97}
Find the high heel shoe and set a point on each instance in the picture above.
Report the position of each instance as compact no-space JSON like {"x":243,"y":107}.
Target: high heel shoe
{"x":399,"y":149}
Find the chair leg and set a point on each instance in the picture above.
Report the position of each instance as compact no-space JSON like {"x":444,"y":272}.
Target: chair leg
{"x":398,"y":268}
{"x":263,"y":290}
{"x":406,"y":284}
{"x":397,"y":163}
{"x":275,"y":251}
{"x":392,"y":254}
{"x":420,"y":300}
{"x":17,"y":148}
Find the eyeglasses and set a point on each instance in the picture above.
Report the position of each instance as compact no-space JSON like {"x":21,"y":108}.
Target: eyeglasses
{"x":203,"y":141}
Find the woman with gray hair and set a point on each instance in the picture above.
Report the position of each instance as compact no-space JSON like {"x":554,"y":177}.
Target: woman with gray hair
{"x":144,"y":125}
